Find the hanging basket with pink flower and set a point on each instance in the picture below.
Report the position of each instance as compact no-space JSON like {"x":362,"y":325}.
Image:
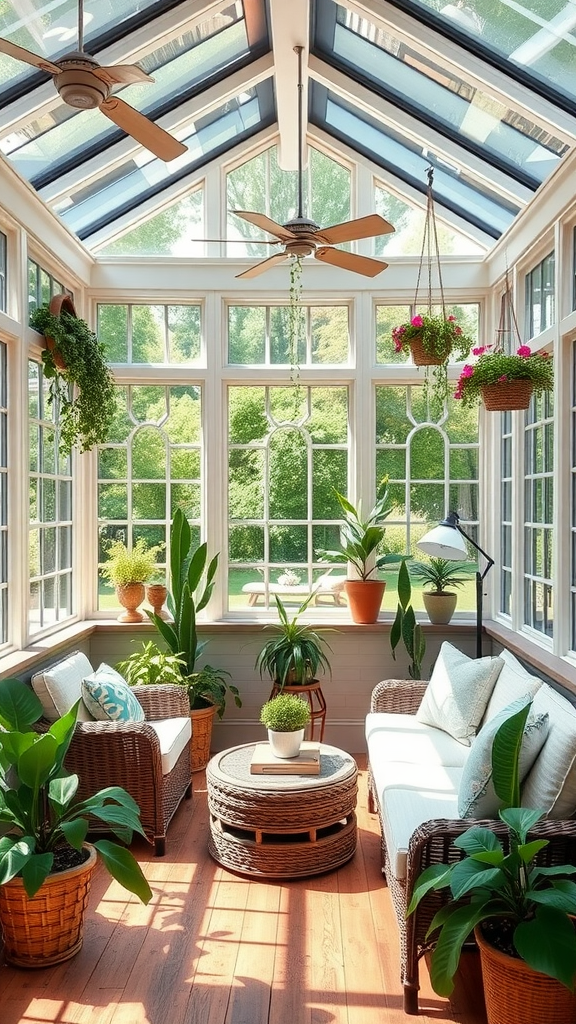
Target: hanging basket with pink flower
{"x":503,"y":381}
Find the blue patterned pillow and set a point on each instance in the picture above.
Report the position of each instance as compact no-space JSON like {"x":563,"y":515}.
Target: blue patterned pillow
{"x":476,"y":794}
{"x":109,"y":698}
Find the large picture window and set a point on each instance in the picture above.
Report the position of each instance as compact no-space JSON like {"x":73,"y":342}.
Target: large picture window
{"x":540,"y":306}
{"x":538,"y":514}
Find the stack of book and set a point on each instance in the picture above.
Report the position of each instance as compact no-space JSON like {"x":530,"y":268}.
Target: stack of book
{"x":307,"y":762}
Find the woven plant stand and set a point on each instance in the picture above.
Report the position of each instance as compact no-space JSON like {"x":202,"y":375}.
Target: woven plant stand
{"x":421,"y":357}
{"x":202,"y":720}
{"x":514,"y":992}
{"x":49,"y":927}
{"x":505,"y":396}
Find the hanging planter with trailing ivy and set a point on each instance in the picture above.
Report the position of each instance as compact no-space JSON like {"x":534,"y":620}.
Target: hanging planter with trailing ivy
{"x":81,"y":383}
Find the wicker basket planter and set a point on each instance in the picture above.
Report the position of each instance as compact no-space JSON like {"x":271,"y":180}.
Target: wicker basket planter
{"x":505,"y":396}
{"x":48,"y":928}
{"x":202,"y":720}
{"x":421,"y":357}
{"x":514,"y":992}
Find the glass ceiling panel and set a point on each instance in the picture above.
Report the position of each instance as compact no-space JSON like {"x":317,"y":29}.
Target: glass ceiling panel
{"x":88,"y":209}
{"x":479,"y":122}
{"x":532,"y":39}
{"x":63,"y":137}
{"x":453,"y":189}
{"x":50,"y":28}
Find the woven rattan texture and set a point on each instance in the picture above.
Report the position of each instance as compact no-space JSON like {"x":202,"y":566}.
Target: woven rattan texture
{"x":514,"y":992}
{"x":432,"y":843}
{"x":511,"y":394}
{"x":202,"y":722}
{"x":47,"y":928}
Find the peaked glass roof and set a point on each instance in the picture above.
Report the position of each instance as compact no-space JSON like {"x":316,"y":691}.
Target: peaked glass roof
{"x":482,"y":90}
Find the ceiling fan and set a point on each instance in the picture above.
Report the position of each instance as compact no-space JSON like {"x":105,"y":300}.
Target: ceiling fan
{"x":302,"y":237}
{"x":82,"y":83}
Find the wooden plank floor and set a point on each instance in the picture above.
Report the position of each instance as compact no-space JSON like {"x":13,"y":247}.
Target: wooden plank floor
{"x":215,"y":948}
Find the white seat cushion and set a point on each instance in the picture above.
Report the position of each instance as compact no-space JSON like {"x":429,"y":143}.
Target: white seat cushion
{"x":404,"y":810}
{"x":402,"y":738}
{"x":59,"y":687}
{"x":551,"y":782}
{"x":512,"y":684}
{"x":173,"y":735}
{"x":458,"y":692}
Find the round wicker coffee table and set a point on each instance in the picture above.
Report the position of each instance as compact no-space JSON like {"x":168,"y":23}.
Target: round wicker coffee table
{"x":281,"y":826}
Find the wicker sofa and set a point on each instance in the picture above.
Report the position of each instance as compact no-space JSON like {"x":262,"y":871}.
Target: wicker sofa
{"x":414,"y":774}
{"x":151,"y":759}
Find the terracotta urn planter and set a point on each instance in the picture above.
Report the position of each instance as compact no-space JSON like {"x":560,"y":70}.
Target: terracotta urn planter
{"x":507,"y":395}
{"x":364,"y":599}
{"x":420,"y":357}
{"x":130,"y":596}
{"x":48,"y":927}
{"x":156,"y":594}
{"x":440,"y":607}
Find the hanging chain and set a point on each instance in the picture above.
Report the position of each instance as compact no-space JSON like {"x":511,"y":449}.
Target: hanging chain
{"x":508,"y":330}
{"x":430,"y":254}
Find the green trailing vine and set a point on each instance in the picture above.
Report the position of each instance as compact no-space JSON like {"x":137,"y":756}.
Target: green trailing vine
{"x":295,"y":322}
{"x":83,"y":389}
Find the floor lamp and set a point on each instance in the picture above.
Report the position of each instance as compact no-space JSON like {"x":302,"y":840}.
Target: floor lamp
{"x":448,"y":540}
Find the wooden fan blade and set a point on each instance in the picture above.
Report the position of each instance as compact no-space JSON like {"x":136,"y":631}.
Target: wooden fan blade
{"x":264,"y":222}
{"x":122,"y":74}
{"x":350,"y":261}
{"x":19,"y":53}
{"x":279,"y":257}
{"x":148,"y":134}
{"x":363,"y":227}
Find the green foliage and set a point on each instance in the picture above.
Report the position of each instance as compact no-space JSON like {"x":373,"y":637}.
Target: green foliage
{"x":497,"y":366}
{"x":406,"y":628}
{"x":360,"y":538}
{"x":85,"y":414}
{"x":440,"y":573}
{"x":490,"y":884}
{"x":439,"y":336}
{"x":296,"y":653}
{"x":130,"y":566}
{"x":37,"y":805}
{"x":150,"y":665}
{"x":285,"y":713}
{"x":192,"y":581}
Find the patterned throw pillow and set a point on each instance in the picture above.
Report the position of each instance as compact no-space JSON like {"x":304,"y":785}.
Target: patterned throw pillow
{"x":458,"y":692}
{"x":476,"y":795}
{"x":109,"y":698}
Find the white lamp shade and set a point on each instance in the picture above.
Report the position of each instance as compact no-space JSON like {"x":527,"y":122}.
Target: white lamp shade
{"x":444,"y":542}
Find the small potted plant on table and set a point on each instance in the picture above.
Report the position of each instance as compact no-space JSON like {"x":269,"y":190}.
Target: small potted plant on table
{"x":286,"y":717}
{"x":45,"y":864}
{"x":129,"y":569}
{"x":441,"y":574}
{"x":504,"y":381}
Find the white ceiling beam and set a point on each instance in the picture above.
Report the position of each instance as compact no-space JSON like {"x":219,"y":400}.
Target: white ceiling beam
{"x":419,"y":133}
{"x":468,"y":65}
{"x":289,"y":27}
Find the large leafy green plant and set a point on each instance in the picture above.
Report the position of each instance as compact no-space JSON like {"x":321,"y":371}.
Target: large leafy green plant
{"x":504,"y":887}
{"x":192,"y":581}
{"x":406,"y":628}
{"x":296,"y":653}
{"x":37,"y":799}
{"x":360,"y":538}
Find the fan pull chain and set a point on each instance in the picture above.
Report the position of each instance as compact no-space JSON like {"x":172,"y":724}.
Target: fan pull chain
{"x":430,"y":249}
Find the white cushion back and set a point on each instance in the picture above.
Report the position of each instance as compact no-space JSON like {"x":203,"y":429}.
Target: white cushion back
{"x":513,"y":683}
{"x":59,"y":686}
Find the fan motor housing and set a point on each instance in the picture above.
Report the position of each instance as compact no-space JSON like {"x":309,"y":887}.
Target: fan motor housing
{"x":80,"y":88}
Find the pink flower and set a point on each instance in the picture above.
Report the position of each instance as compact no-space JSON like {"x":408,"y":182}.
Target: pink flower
{"x":417,"y":321}
{"x":457,"y":330}
{"x":524,"y":351}
{"x":451,"y":318}
{"x":545,"y":355}
{"x":458,"y":394}
{"x":502,"y":378}
{"x":467,"y":371}
{"x":479,"y":351}
{"x":397,"y":345}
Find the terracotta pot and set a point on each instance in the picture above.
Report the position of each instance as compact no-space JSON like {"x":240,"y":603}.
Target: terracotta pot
{"x":515,"y":993}
{"x":507,"y":395}
{"x":364,"y":598}
{"x":156,"y":594}
{"x":420,"y":357}
{"x":130,"y":596}
{"x":439,"y":607}
{"x":48,"y":928}
{"x":202,"y":721}
{"x":56,"y":305}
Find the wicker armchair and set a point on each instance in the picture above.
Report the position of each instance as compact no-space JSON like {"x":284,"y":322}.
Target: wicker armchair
{"x":432,"y":843}
{"x":127,"y":754}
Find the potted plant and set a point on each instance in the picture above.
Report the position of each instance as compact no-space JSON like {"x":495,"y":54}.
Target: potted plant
{"x":360,"y":541}
{"x":406,"y":628}
{"x":286,"y":717}
{"x":441,"y":574}
{"x":430,"y":340}
{"x":295,"y":654}
{"x":45,"y":863}
{"x":81,"y":382}
{"x":504,"y":381}
{"x":128,"y":569}
{"x":192,"y":581}
{"x":522,"y":912}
